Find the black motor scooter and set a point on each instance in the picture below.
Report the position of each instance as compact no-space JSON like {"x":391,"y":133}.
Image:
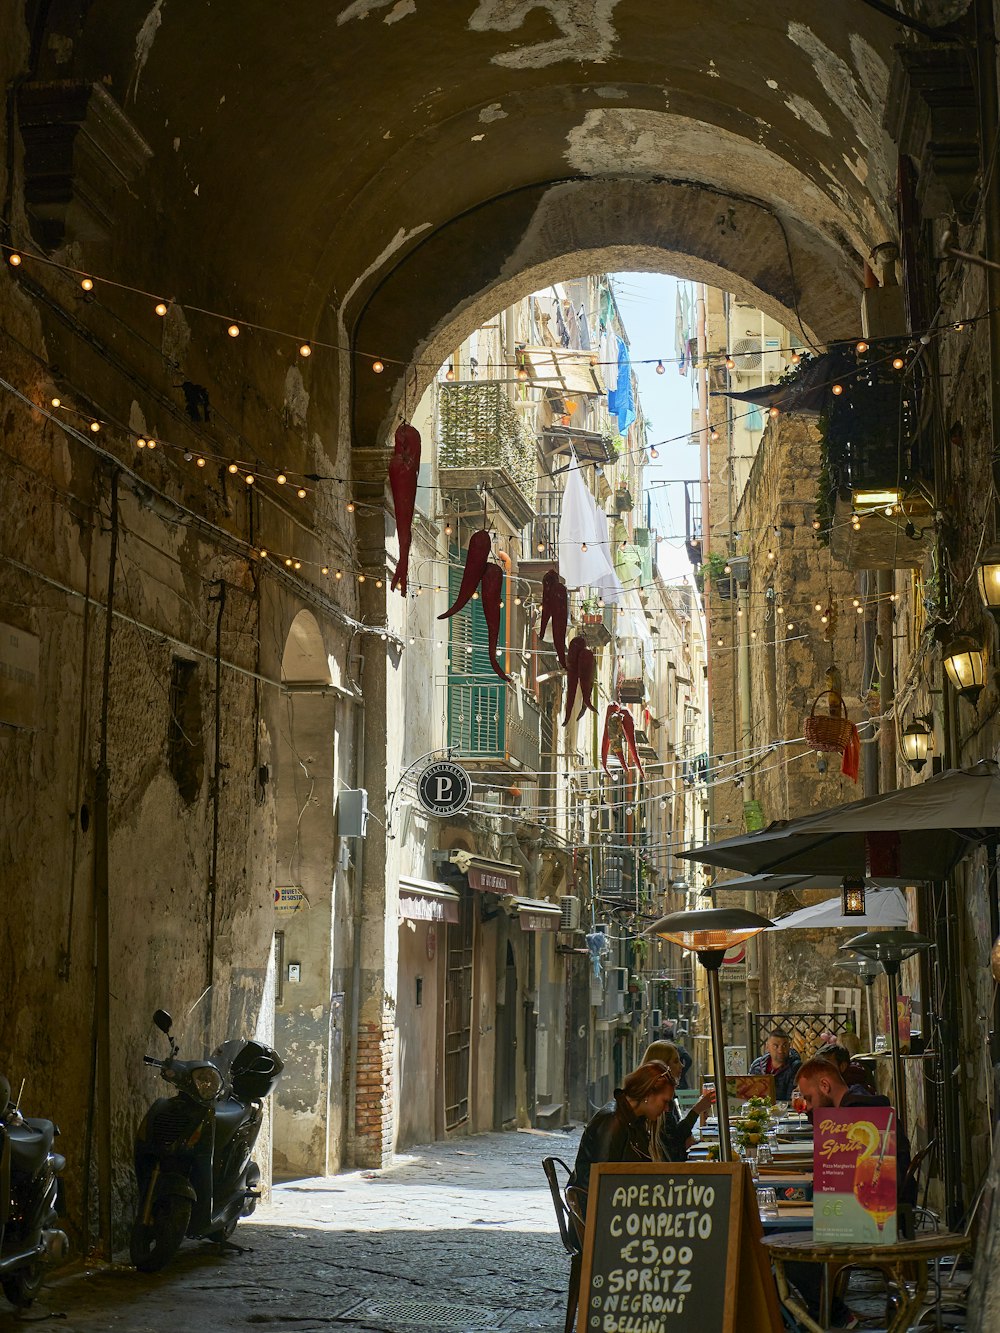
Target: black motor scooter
{"x":29,"y":1191}
{"x":193,"y":1151}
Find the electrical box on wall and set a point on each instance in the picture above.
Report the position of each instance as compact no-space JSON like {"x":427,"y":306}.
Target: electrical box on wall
{"x":352,"y":813}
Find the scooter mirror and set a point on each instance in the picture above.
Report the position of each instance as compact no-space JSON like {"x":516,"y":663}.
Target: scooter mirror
{"x":163,"y":1021}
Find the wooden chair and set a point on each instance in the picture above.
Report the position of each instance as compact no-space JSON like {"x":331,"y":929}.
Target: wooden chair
{"x":566,"y":1202}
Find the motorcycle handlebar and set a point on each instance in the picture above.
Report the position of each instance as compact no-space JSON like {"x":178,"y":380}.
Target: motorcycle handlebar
{"x":149,"y":1060}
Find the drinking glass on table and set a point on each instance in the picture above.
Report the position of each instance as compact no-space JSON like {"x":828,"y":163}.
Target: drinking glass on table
{"x":798,"y":1102}
{"x":767,"y":1202}
{"x":764,"y":1154}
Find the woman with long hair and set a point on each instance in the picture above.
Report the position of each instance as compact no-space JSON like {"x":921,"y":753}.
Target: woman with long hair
{"x":620,"y":1131}
{"x":672,"y":1132}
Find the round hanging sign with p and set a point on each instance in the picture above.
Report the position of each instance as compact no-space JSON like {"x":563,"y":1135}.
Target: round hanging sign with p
{"x":444,"y":788}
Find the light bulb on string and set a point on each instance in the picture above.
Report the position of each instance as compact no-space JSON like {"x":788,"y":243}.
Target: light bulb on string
{"x":305,"y":350}
{"x":87,"y":284}
{"x":233,"y":330}
{"x":837,"y":390}
{"x":298,"y":564}
{"x":789,"y":627}
{"x":660,"y":368}
{"x":351,"y":506}
{"x":301,"y":493}
{"x":188,"y":456}
{"x":200,"y":461}
{"x":449,"y":374}
{"x":95,"y":426}
{"x":263,"y":553}
{"x":249,"y":479}
{"x":233,"y":468}
{"x":281,"y":479}
{"x":774,"y":411}
{"x":730,"y":363}
{"x":377,"y":366}
{"x":14,"y":259}
{"x":339,"y":574}
{"x":898,"y":363}
{"x":361,"y":578}
{"x":288,"y":562}
{"x":56,"y":402}
{"x":324,"y":569}
{"x":583,"y":546}
{"x":861,"y":347}
{"x":796,"y":358}
{"x":160,"y":309}
{"x":818,"y":606}
{"x":150,"y":443}
{"x":140,"y":442}
{"x":816,"y":525}
{"x":713,"y":434}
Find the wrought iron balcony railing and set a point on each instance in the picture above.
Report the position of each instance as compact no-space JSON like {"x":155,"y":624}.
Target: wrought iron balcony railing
{"x":492,"y":721}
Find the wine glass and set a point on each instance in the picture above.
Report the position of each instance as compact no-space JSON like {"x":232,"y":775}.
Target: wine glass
{"x":798,"y":1102}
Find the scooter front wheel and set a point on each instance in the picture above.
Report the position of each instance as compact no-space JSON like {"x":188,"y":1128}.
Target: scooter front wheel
{"x":152,"y":1247}
{"x":21,"y":1288}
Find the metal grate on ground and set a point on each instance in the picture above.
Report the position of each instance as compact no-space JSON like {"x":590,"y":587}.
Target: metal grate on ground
{"x":425,"y":1314}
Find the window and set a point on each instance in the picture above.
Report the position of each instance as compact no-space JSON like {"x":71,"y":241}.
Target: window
{"x":185,"y":744}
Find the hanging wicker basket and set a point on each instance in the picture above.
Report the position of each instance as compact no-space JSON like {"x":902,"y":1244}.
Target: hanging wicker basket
{"x":828,"y":734}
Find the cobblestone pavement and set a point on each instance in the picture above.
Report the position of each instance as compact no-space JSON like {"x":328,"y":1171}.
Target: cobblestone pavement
{"x":460,"y":1232}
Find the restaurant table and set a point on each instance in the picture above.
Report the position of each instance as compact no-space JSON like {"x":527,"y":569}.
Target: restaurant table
{"x":904,"y":1263}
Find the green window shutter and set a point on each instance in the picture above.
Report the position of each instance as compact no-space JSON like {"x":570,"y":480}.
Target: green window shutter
{"x":477,"y":698}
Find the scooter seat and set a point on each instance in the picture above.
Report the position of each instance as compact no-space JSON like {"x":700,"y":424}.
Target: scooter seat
{"x":30,"y":1144}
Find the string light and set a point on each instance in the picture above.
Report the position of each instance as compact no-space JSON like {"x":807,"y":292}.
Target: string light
{"x":233,"y":468}
{"x":160,"y":309}
{"x":351,"y":506}
{"x":730,"y":363}
{"x":140,"y":442}
{"x":305,"y":350}
{"x":301,"y":493}
{"x":150,"y":443}
{"x":87,"y":284}
{"x":774,"y":411}
{"x":660,"y":368}
{"x":713,"y":434}
{"x":861,"y":347}
{"x":14,"y":259}
{"x":263,"y":553}
{"x":56,"y":402}
{"x":898,"y":363}
{"x":795,"y":358}
{"x":837,"y":390}
{"x":200,"y":461}
{"x":522,"y":374}
{"x":654,"y":453}
{"x":95,"y":426}
{"x":449,"y":374}
{"x":281,"y":479}
{"x":339,"y":574}
{"x":378,"y":366}
{"x":361,"y":578}
{"x":233,"y":330}
{"x":249,"y":479}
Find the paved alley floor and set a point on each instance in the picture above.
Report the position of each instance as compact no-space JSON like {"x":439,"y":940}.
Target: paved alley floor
{"x":454,"y":1236}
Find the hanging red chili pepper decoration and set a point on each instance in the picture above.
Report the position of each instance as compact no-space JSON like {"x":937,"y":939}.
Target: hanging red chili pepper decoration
{"x":612,"y":738}
{"x":476,"y":560}
{"x":573,"y":673}
{"x":492,"y":596}
{"x":555,"y":607}
{"x":404,"y":468}
{"x":587,"y":668}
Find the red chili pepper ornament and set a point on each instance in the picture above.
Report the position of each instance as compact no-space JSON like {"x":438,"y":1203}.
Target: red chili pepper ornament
{"x":555,"y":607}
{"x":492,"y":596}
{"x":404,"y":468}
{"x":476,"y":559}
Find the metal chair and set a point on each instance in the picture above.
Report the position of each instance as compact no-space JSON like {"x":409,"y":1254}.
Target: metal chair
{"x":569,"y":1218}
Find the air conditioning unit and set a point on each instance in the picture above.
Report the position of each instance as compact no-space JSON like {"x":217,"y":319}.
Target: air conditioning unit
{"x":656,"y":1019}
{"x":569,"y":910}
{"x":614,"y":999}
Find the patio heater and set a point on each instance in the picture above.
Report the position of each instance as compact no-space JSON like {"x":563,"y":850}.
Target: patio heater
{"x":868,"y":972}
{"x":709,"y":933}
{"x":891,"y":948}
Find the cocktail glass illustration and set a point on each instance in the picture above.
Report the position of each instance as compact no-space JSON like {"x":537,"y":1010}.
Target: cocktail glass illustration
{"x":874,"y":1174}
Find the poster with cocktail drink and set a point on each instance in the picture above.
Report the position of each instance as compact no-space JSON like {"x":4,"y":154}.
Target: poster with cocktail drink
{"x":854,"y":1185}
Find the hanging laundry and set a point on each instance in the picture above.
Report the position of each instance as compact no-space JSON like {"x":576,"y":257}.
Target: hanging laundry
{"x":621,"y":400}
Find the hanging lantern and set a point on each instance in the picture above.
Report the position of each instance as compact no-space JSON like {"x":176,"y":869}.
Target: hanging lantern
{"x":852,"y":893}
{"x":988,"y":580}
{"x":965,"y":663}
{"x":916,"y":741}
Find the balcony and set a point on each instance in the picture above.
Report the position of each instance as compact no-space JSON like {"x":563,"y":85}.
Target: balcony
{"x":492,"y":722}
{"x":483,"y":440}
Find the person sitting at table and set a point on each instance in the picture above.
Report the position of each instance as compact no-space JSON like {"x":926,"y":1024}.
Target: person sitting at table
{"x":668,"y":1033}
{"x":780,"y":1060}
{"x":852,"y":1072}
{"x":620,"y":1131}
{"x":673,"y":1131}
{"x":821,"y":1084}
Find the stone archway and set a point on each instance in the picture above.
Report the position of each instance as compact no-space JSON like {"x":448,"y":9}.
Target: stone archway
{"x":479,"y":263}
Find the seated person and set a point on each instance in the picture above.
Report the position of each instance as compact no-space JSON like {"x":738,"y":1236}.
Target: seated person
{"x":780,"y":1060}
{"x":673,"y":1131}
{"x":620,"y":1131}
{"x":854,"y":1074}
{"x":821,"y":1084}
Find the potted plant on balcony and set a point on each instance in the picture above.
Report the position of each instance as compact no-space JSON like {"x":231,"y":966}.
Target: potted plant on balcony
{"x":590,"y":612}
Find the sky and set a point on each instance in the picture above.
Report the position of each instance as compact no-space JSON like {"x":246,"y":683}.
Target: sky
{"x":647,"y":303}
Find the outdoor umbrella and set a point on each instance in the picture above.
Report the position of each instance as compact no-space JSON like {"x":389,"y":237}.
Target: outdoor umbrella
{"x":883,"y":907}
{"x":939,"y":821}
{"x":776,"y":883}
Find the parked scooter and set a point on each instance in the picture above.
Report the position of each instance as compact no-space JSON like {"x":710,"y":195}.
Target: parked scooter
{"x":193,"y":1151}
{"x":29,"y":1190}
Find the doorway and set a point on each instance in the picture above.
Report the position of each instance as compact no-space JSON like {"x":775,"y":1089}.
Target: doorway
{"x":506,"y":1052}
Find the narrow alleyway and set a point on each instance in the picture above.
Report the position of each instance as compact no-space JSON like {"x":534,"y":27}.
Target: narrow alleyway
{"x":455,"y":1236}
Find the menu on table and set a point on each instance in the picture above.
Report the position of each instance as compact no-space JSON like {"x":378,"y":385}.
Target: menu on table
{"x":854,"y":1181}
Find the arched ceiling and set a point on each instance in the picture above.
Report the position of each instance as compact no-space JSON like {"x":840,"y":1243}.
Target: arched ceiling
{"x":307,"y":155}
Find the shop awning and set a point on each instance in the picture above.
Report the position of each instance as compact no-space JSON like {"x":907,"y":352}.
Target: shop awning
{"x":424,"y":900}
{"x":534,"y":914}
{"x":488,"y":876}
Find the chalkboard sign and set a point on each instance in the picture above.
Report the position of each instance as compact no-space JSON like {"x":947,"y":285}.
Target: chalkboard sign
{"x":672,"y":1248}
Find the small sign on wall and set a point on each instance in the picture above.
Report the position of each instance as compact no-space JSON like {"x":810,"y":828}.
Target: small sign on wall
{"x":288,"y":901}
{"x":18,"y":676}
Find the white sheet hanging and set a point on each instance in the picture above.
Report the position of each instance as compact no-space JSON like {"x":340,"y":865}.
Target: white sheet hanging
{"x":584,"y":545}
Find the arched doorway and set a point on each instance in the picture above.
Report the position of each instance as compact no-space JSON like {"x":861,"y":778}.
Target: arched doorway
{"x":309,"y":1010}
